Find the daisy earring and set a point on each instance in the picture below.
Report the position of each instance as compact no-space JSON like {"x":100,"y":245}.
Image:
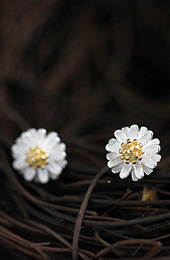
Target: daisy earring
{"x":39,"y":156}
{"x":133,"y":151}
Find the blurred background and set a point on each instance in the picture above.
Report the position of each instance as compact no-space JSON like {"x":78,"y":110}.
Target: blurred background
{"x":83,"y":69}
{"x":73,"y":65}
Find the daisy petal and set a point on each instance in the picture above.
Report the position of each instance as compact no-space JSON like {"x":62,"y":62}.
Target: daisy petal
{"x":19,"y":164}
{"x":62,"y":163}
{"x":50,"y":138}
{"x":54,"y":145}
{"x":125,"y":171}
{"x":61,"y":147}
{"x":53,"y":176}
{"x":153,"y":142}
{"x":58,"y":156}
{"x":54,"y":168}
{"x":126,"y":131}
{"x":21,"y":145}
{"x":26,"y":138}
{"x":32,"y":132}
{"x":152,"y":149}
{"x":138,"y":170}
{"x":41,"y":135}
{"x":146,"y":137}
{"x":114,"y":141}
{"x":117,"y":168}
{"x":29,"y":137}
{"x":18,"y":151}
{"x":114,"y":162}
{"x":147,"y":170}
{"x":133,"y":175}
{"x":134,"y":129}
{"x":112,"y":148}
{"x":43,"y":175}
{"x":120,"y":136}
{"x":142,"y":131}
{"x":155,"y":157}
{"x":148,"y":162}
{"x":111,"y":156}
{"x":29,"y":174}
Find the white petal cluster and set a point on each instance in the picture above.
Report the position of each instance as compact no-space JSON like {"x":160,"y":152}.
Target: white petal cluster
{"x":146,"y":162}
{"x":51,"y":148}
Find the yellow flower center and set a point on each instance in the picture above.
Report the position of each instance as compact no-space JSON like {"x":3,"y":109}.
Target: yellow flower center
{"x":37,"y":157}
{"x":131,"y":151}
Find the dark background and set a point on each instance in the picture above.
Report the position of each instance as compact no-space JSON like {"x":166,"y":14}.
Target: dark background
{"x":83,"y":69}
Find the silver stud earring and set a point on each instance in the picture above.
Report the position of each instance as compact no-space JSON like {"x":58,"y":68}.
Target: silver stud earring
{"x":39,"y":156}
{"x":133,"y":151}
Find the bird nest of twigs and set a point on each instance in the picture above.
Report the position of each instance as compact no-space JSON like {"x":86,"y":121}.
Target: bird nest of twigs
{"x":84,"y":69}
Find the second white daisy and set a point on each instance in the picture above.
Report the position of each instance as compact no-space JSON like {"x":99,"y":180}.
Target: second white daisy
{"x":39,"y":156}
{"x":133,"y":151}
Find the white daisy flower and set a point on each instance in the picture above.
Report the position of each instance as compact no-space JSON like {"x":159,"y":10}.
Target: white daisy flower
{"x":133,"y":151}
{"x":39,"y":156}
